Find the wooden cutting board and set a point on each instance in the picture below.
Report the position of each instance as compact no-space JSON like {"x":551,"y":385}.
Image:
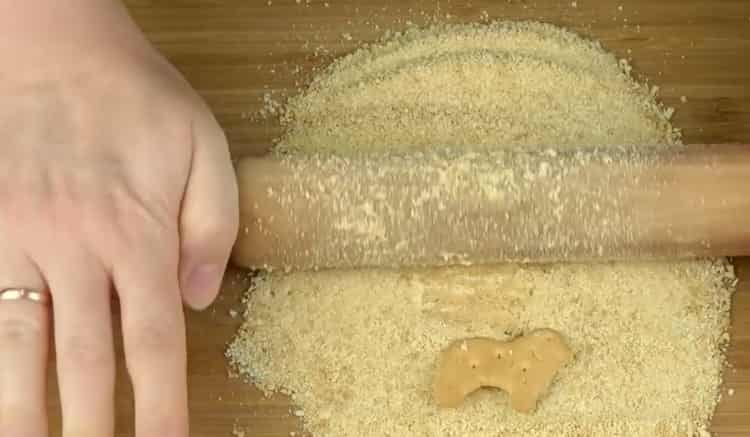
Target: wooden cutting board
{"x":235,"y":51}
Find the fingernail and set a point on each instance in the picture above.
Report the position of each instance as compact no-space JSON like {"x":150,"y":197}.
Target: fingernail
{"x":202,"y":284}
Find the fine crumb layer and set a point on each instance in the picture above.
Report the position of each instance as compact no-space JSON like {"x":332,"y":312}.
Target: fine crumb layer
{"x":506,"y":84}
{"x":357,"y":348}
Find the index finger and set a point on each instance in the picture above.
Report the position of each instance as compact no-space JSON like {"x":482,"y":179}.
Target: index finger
{"x":153,"y":330}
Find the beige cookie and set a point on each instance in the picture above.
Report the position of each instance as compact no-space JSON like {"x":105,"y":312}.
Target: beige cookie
{"x":524,"y":368}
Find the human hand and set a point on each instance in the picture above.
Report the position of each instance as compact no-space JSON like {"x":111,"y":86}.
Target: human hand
{"x":114,"y":176}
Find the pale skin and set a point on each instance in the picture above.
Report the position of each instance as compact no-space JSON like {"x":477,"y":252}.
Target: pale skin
{"x":114,"y":178}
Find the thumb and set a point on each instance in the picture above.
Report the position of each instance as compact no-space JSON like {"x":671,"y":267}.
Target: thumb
{"x":209,"y":218}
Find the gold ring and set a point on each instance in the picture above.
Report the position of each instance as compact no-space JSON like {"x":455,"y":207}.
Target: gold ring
{"x":8,"y":294}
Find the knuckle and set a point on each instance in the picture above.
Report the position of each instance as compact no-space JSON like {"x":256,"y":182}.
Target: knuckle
{"x":217,"y":230}
{"x":19,"y":420}
{"x":98,"y":202}
{"x":20,"y":330}
{"x":118,"y":204}
{"x":136,"y":218}
{"x":96,"y":216}
{"x":156,"y":339}
{"x":85,"y":352}
{"x":223,"y":229}
{"x":122,"y":218}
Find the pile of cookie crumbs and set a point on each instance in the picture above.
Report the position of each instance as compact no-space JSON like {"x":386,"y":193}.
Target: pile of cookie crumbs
{"x":356,"y":349}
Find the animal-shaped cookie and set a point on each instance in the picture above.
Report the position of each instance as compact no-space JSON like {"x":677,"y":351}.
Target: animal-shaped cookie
{"x":524,"y":368}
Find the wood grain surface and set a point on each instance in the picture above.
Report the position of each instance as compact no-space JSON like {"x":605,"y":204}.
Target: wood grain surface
{"x":235,"y":51}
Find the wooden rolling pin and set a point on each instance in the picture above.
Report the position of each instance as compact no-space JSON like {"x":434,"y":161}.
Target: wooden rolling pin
{"x":448,"y":207}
